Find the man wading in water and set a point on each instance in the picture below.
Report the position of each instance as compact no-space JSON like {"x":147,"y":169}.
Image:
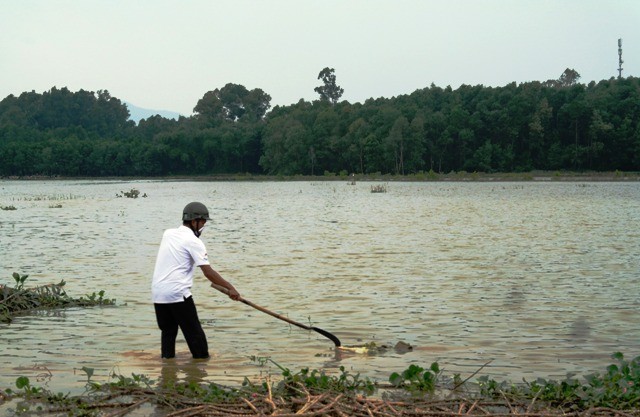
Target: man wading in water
{"x":181,"y":250}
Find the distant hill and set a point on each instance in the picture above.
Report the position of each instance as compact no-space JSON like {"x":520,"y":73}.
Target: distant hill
{"x":139,"y":113}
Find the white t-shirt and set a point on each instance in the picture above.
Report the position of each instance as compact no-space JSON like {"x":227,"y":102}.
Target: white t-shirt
{"x":179,"y":254}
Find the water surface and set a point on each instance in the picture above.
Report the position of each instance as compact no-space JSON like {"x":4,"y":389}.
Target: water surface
{"x":541,"y":279}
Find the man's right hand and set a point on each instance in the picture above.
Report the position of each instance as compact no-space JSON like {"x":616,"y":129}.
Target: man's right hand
{"x":234,"y":295}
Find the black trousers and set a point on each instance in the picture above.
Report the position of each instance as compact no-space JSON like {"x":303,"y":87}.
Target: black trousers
{"x":183,"y":315}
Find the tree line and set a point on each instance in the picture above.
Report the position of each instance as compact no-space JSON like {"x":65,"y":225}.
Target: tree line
{"x":551,"y":125}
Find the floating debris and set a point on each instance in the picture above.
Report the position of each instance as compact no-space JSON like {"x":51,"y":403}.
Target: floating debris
{"x":372,"y":348}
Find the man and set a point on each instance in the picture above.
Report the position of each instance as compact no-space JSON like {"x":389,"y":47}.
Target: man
{"x":181,"y":250}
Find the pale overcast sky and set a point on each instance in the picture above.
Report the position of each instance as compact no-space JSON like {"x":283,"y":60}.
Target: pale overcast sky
{"x":165,"y":55}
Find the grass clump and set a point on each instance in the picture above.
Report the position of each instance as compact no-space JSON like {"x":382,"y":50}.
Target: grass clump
{"x":18,"y":299}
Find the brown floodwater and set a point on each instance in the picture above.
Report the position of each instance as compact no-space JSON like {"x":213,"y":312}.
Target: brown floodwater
{"x":540,"y":279}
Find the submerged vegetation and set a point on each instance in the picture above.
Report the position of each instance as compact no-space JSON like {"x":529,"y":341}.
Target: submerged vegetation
{"x":18,"y":299}
{"x":414,"y":392}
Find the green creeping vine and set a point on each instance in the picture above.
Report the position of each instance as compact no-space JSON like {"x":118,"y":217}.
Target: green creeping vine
{"x":618,"y":388}
{"x":417,"y":380}
{"x":316,"y":381}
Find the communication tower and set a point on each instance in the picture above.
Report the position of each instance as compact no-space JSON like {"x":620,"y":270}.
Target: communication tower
{"x":620,"y":61}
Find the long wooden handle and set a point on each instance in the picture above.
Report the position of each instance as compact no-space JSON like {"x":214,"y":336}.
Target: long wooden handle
{"x":264,"y":310}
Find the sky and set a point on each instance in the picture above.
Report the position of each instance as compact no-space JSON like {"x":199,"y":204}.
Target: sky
{"x":165,"y":55}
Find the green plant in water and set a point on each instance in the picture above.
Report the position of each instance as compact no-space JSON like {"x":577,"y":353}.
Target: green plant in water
{"x":260,"y":360}
{"x":24,"y":384}
{"x":416,"y":379}
{"x":91,"y":385}
{"x":20,"y":279}
{"x":7,"y":208}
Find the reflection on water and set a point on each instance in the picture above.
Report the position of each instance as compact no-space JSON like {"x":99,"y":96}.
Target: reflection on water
{"x":542,"y":279}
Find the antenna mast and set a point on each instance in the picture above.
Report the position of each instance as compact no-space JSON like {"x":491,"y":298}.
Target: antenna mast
{"x":620,"y":61}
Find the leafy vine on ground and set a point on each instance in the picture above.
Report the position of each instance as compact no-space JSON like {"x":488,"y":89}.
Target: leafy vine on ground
{"x":415,"y":391}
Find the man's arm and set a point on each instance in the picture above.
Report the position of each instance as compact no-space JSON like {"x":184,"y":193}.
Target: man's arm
{"x":213,"y":276}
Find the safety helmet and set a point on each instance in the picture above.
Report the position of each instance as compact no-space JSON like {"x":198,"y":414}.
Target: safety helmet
{"x":194,"y":211}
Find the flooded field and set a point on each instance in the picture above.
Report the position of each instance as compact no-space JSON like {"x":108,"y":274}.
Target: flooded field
{"x":541,"y":279}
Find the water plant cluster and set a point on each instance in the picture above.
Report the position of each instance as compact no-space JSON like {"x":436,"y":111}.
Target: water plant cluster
{"x":379,"y":188}
{"x":416,"y":391}
{"x":132,"y":193}
{"x":18,"y":299}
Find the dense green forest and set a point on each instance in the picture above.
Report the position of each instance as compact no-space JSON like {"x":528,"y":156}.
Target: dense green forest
{"x":551,"y":125}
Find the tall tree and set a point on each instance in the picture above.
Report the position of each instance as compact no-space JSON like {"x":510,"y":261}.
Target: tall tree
{"x":569,"y":77}
{"x":233,"y":102}
{"x":329,"y":91}
{"x":396,"y":143}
